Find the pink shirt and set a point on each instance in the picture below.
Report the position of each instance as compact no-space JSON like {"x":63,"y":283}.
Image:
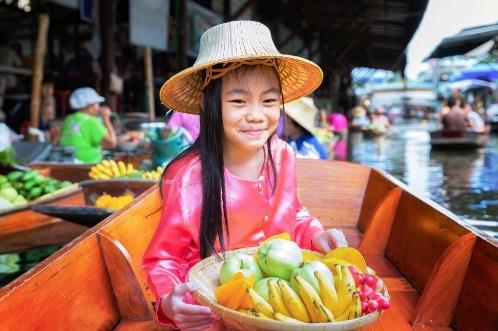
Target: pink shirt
{"x":253,"y":215}
{"x":189,"y":122}
{"x":338,"y":121}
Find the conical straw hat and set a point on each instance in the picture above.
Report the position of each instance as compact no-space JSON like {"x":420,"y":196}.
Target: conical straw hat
{"x":233,"y":44}
{"x":303,"y":111}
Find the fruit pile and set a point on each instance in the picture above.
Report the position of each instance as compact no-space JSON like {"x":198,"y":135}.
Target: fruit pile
{"x":110,"y":202}
{"x":153,"y":174}
{"x":31,"y":184}
{"x":109,"y":169}
{"x":112,"y":169}
{"x":282,"y":282}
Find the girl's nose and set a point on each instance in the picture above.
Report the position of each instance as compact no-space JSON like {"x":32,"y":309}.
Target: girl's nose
{"x":255,"y":114}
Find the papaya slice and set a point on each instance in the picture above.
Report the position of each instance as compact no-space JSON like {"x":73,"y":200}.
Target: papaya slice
{"x":348,"y":254}
{"x":225,"y":292}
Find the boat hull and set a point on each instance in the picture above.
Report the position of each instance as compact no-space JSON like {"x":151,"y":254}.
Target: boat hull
{"x":458,"y":140}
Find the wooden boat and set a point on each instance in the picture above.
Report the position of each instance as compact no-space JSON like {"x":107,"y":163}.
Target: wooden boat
{"x":441,"y":272}
{"x":458,"y":139}
{"x":22,"y":228}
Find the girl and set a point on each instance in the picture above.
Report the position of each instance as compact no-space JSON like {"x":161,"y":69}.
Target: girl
{"x":236,"y":185}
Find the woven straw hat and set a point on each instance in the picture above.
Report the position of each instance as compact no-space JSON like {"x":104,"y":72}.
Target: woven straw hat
{"x":303,"y":111}
{"x":233,"y":44}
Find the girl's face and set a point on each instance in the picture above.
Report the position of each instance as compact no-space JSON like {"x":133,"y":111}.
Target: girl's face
{"x":250,"y":105}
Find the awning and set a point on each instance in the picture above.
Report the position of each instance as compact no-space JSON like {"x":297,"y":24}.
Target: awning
{"x":465,"y":41}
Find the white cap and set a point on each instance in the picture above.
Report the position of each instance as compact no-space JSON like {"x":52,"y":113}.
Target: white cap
{"x":84,"y":96}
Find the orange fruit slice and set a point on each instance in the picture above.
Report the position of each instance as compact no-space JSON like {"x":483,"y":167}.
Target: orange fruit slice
{"x":350,"y":255}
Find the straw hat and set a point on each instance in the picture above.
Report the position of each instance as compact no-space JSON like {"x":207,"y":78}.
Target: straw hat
{"x":303,"y":111}
{"x":233,"y":44}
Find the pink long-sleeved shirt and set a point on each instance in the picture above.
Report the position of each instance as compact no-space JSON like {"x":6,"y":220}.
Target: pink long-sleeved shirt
{"x":254,"y":213}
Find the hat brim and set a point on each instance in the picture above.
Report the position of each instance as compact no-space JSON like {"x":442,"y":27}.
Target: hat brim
{"x":299,"y":77}
{"x":294,"y":114}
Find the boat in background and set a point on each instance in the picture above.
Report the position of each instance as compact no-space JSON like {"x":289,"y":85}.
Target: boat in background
{"x":458,"y":139}
{"x":441,"y":272}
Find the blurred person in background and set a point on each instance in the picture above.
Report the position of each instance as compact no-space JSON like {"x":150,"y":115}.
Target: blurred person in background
{"x":338,"y":123}
{"x":299,"y":129}
{"x":191,"y":123}
{"x":84,"y":129}
{"x":455,"y":119}
{"x":47,"y":108}
{"x":474,"y":121}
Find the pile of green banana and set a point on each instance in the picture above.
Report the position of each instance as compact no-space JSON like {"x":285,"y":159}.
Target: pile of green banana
{"x":31,"y":184}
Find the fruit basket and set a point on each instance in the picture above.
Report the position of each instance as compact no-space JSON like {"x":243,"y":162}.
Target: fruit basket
{"x":206,"y":274}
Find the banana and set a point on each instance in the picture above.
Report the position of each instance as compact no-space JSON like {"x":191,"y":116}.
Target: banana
{"x":106,"y":163}
{"x":328,"y":293}
{"x":275,"y":298}
{"x":318,"y":312}
{"x":337,"y":274}
{"x":130,"y":169}
{"x":104,"y":170}
{"x":260,"y":304}
{"x":252,"y":312}
{"x":344,"y":293}
{"x":114,"y":168}
{"x":356,"y":306}
{"x":287,"y":319}
{"x":293,"y":302}
{"x":353,"y":311}
{"x":122,"y":168}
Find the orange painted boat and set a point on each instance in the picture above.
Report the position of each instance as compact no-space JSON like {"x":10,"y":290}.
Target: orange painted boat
{"x":441,"y":273}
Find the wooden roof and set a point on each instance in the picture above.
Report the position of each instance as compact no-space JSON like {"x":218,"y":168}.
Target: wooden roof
{"x":368,"y":33}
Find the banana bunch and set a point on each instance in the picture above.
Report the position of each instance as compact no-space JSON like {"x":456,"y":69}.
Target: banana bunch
{"x":111,"y":169}
{"x":153,"y":174}
{"x":332,"y":304}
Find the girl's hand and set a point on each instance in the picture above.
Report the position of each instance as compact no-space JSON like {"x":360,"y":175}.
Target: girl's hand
{"x":184,"y":315}
{"x":327,"y":240}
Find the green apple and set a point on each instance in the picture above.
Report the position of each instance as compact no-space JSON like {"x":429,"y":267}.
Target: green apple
{"x":240,"y":263}
{"x":307,"y":272}
{"x":261,"y":287}
{"x":279,"y":258}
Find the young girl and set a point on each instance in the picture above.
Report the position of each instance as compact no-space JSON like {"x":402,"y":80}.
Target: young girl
{"x":236,"y":185}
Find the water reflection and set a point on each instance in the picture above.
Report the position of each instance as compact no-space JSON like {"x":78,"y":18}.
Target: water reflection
{"x":465,"y":182}
{"x":12,"y":265}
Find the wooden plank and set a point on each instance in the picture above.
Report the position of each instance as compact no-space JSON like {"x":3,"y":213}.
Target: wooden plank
{"x":332,"y":190}
{"x":437,"y":303}
{"x":28,"y":219}
{"x":139,"y":326}
{"x":41,"y":45}
{"x":378,"y":186}
{"x":477,"y":307}
{"x":419,"y":236}
{"x":375,"y":238}
{"x":74,"y":173}
{"x":52,"y":232}
{"x":71,"y":291}
{"x":149,"y":87}
{"x":128,"y":291}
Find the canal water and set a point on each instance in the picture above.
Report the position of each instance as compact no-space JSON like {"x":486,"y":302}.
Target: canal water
{"x":463,"y":181}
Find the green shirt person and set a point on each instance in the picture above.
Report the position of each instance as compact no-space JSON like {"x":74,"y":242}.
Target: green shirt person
{"x":84,"y":130}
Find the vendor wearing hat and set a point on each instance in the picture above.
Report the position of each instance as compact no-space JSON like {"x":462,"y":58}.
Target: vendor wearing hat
{"x":300,"y":129}
{"x":84,"y":129}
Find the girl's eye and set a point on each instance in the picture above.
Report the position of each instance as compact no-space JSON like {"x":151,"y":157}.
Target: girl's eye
{"x":270,"y":100}
{"x":237,"y":101}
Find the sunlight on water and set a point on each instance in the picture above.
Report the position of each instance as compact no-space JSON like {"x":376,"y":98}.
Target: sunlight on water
{"x":465,"y":182}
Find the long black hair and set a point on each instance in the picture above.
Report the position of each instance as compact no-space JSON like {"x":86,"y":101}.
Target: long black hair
{"x":209,"y":147}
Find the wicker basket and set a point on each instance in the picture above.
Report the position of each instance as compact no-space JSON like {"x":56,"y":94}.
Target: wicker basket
{"x":206,"y":274}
